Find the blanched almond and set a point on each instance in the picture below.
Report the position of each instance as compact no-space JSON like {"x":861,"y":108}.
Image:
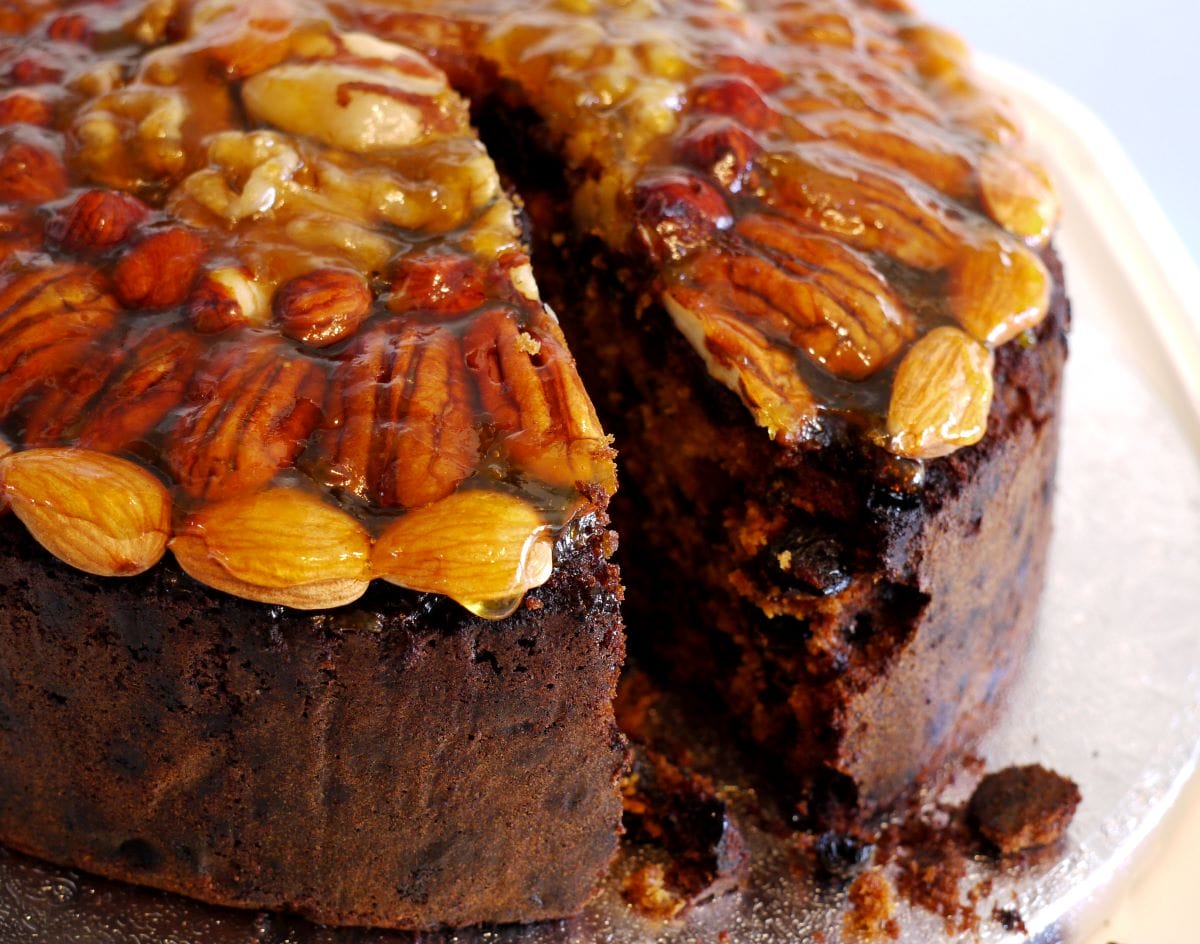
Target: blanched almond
{"x":481,"y":548}
{"x":941,"y":395}
{"x":281,"y":545}
{"x":1019,"y":195}
{"x":96,"y":512}
{"x":998,"y":289}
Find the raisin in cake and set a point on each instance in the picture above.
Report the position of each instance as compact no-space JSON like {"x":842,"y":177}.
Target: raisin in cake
{"x":305,"y":563}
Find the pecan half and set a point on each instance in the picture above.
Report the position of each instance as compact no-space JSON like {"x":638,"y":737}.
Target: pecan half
{"x":740,"y":357}
{"x":400,"y":416}
{"x":323,"y":307}
{"x":48,"y":321}
{"x":282,"y":545}
{"x":248,"y":413}
{"x":827,"y":190}
{"x":529,"y":385}
{"x":481,"y":548}
{"x":159,"y":271}
{"x":677,"y":213}
{"x":98,"y":513}
{"x":823,"y":297}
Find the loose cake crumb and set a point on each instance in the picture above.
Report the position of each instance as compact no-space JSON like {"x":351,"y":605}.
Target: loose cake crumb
{"x":872,"y":908}
{"x":1022,"y":808}
{"x":646,"y":890}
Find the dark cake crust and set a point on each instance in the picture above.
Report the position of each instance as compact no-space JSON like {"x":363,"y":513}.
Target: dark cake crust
{"x":433,"y":769}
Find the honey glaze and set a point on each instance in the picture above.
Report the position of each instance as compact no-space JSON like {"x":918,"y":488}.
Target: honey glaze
{"x":816,"y":185}
{"x":257,"y":250}
{"x":264,"y":304}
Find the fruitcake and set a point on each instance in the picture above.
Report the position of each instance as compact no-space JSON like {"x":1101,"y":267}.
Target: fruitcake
{"x":268,"y":303}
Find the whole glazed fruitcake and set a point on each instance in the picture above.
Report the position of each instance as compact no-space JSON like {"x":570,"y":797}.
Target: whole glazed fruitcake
{"x":307,"y":593}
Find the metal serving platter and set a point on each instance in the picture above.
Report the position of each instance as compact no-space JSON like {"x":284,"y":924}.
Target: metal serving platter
{"x":1110,"y":696}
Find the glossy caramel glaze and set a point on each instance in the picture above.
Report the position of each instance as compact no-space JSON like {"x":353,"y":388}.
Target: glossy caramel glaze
{"x":257,"y":249}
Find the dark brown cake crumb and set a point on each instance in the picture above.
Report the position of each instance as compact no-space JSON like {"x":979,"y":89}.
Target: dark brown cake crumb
{"x":1021,"y":808}
{"x":872,"y":908}
{"x":679,"y":811}
{"x":1010,"y":919}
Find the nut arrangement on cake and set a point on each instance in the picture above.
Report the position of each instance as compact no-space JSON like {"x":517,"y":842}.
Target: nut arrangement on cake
{"x":304,"y":558}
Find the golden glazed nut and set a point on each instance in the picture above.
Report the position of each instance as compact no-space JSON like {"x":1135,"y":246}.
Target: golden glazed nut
{"x":282,"y":545}
{"x":941,"y":395}
{"x":100,"y":514}
{"x":481,"y":548}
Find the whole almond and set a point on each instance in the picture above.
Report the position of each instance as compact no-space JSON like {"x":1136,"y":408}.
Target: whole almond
{"x":159,"y":271}
{"x":97,"y":220}
{"x":1019,"y":195}
{"x":25,"y":108}
{"x":998,"y":289}
{"x":481,"y":548}
{"x":941,"y":395}
{"x":31,"y":174}
{"x":282,"y":545}
{"x":323,"y":307}
{"x":98,"y":513}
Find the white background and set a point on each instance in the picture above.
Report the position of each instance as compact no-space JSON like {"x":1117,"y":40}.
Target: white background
{"x":1135,"y":63}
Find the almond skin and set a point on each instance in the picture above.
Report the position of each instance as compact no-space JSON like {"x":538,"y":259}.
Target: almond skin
{"x":100,"y":514}
{"x":481,"y":548}
{"x":159,"y":271}
{"x":97,"y":220}
{"x":23,"y":108}
{"x":281,"y":545}
{"x":323,"y":307}
{"x":999,"y":289}
{"x":31,"y":174}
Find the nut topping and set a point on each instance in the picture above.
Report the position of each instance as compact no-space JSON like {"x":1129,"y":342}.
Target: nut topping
{"x":226,"y":298}
{"x":283,"y":546}
{"x":537,"y":400}
{"x":323,"y":307}
{"x":26,"y":109}
{"x":97,"y":220}
{"x":159,"y":271}
{"x":400,"y":417}
{"x":941,"y":395}
{"x":247,"y":415}
{"x":1019,"y":195}
{"x":30,"y":174}
{"x":999,"y":289}
{"x":483,"y":549}
{"x":48,"y":319}
{"x":100,"y":514}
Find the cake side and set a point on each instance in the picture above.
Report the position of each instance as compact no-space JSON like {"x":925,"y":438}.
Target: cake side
{"x":862,"y":619}
{"x":398,"y":763}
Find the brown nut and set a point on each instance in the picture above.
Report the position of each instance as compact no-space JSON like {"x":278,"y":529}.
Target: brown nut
{"x":998,"y":289}
{"x":97,"y":220}
{"x":228,"y":297}
{"x":25,"y":108}
{"x":248,"y":413}
{"x":159,"y":271}
{"x":677,"y":213}
{"x":323,"y":307}
{"x":446,"y":283}
{"x":98,"y":513}
{"x":1019,"y":195}
{"x":31,"y":174}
